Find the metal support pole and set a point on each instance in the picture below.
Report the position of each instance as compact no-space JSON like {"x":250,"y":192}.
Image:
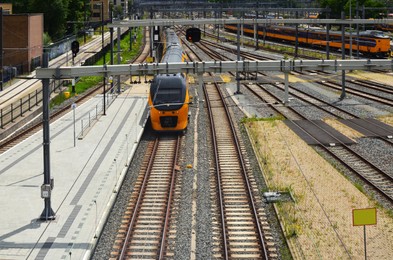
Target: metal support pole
{"x":343,"y":57}
{"x":350,"y":30}
{"x":118,"y":57}
{"x":130,"y":30}
{"x":357,"y":30}
{"x":297,"y":37}
{"x":73,"y":106}
{"x":103,"y":52}
{"x":111,"y":33}
{"x":238,"y":59}
{"x":286,"y":98}
{"x":257,"y":31}
{"x":264,"y":35}
{"x":327,"y":39}
{"x":111,"y":36}
{"x":218,"y":29}
{"x":1,"y":49}
{"x":104,"y":94}
{"x":84,"y":24}
{"x":47,"y":213}
{"x":204,"y":25}
{"x":365,"y":244}
{"x":242,"y":36}
{"x":151,"y":35}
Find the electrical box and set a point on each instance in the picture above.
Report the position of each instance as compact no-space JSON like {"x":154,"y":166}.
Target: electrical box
{"x":45,"y":191}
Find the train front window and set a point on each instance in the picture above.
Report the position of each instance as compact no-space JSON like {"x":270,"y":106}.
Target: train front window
{"x":168,"y":96}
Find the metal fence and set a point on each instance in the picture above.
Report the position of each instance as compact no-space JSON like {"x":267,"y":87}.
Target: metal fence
{"x":25,"y":104}
{"x":92,"y":115}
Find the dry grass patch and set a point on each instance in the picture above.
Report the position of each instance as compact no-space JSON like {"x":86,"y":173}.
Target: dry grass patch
{"x":319,"y":223}
{"x":368,"y":75}
{"x":345,"y":130}
{"x":387,"y":120}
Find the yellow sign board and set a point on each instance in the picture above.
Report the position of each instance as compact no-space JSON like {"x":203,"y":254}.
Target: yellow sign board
{"x":363,"y":217}
{"x":149,"y":59}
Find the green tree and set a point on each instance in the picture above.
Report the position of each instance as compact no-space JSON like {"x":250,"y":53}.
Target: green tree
{"x":118,"y":11}
{"x":337,"y":5}
{"x":55,"y":16}
{"x":78,"y":11}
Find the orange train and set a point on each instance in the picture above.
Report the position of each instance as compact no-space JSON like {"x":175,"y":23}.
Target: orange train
{"x":371,"y":43}
{"x":169,"y":97}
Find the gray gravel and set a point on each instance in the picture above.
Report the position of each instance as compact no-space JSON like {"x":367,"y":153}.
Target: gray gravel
{"x":373,"y":149}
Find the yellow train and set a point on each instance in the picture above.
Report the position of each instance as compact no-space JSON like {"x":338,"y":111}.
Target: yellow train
{"x":169,"y":96}
{"x":371,"y":43}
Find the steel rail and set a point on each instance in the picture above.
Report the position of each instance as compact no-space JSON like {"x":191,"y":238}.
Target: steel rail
{"x":221,"y":199}
{"x":244,"y":171}
{"x":171,"y":190}
{"x":139,"y":200}
{"x":359,"y":93}
{"x":244,"y":176}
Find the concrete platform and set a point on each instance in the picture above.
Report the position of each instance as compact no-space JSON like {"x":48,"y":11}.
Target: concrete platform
{"x":86,"y":178}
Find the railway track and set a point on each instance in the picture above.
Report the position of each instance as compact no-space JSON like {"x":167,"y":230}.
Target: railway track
{"x":375,"y":177}
{"x":378,"y":179}
{"x":370,"y":174}
{"x":36,"y":126}
{"x":273,"y":101}
{"x":386,"y":90}
{"x":240,"y":227}
{"x":145,"y":225}
{"x":242,"y":230}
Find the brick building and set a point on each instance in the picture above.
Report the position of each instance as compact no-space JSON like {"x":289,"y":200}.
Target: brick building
{"x":96,"y":10}
{"x":23,"y":41}
{"x":7,"y":8}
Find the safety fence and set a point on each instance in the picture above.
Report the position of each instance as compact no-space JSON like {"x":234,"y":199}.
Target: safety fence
{"x":20,"y":107}
{"x":92,"y":116}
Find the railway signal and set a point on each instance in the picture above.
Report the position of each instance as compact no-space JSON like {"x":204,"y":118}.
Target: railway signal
{"x":193,"y":34}
{"x":75,"y":48}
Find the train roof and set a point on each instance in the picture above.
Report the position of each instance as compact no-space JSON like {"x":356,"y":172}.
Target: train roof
{"x":173,"y":51}
{"x":168,"y":81}
{"x":374,"y":33}
{"x":367,"y":33}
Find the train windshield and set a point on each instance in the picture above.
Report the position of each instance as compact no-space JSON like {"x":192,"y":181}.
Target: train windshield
{"x":168,"y":95}
{"x":168,"y":92}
